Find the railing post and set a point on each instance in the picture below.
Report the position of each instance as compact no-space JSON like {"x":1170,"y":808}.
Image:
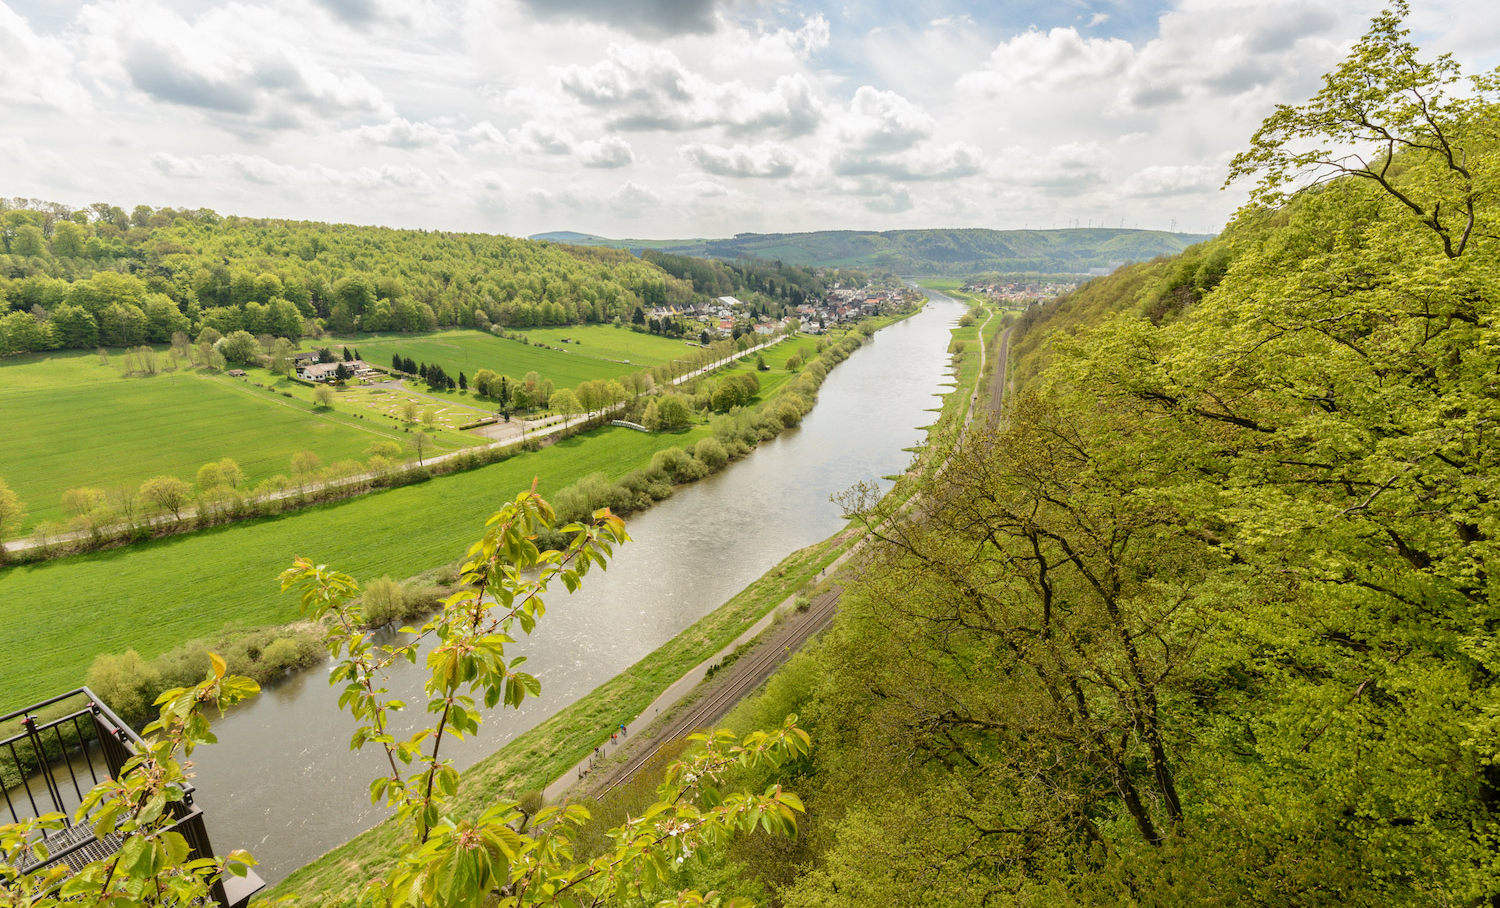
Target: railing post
{"x":111,"y":741}
{"x":39,"y":749}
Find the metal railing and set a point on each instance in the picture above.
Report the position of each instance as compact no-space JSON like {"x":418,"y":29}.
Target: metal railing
{"x":50,"y":765}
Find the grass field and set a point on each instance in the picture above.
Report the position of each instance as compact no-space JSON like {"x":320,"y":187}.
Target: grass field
{"x":75,"y":423}
{"x":470,"y":351}
{"x":609,"y":342}
{"x":802,"y":344}
{"x":150,"y":597}
{"x":385,"y":406}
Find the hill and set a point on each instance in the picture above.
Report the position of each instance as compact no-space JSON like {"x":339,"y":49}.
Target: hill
{"x":955,"y":251}
{"x":1210,"y":618}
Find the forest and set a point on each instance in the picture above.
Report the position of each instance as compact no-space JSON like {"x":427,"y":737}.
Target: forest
{"x":98,"y":276}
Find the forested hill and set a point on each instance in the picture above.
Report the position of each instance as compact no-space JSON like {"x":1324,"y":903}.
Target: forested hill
{"x":957,"y":251}
{"x":92,"y":276}
{"x":1213,"y":617}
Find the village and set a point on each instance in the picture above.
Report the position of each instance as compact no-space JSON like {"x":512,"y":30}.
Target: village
{"x":841,"y":305}
{"x":1020,"y":294}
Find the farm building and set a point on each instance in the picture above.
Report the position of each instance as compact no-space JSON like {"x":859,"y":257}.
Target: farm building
{"x":357,"y":368}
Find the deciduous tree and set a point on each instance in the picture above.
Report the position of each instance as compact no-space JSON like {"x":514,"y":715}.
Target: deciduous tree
{"x":168,"y":493}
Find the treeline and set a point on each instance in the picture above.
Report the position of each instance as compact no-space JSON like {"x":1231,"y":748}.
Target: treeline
{"x":130,"y":683}
{"x":1210,"y":619}
{"x":97,"y":518}
{"x":97,"y":276}
{"x":790,"y":285}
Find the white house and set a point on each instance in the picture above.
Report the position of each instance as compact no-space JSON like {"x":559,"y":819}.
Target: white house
{"x":327,"y":371}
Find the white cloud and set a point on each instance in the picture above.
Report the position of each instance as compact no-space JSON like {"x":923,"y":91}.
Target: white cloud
{"x":747,"y":116}
{"x":38,"y":70}
{"x":543,"y":139}
{"x":402,"y":133}
{"x":632,"y":200}
{"x":782,"y":45}
{"x":262,"y":171}
{"x":708,"y":189}
{"x":610,"y":151}
{"x":1049,"y":61}
{"x":649,"y":88}
{"x":1066,"y":170}
{"x":1171,"y":180}
{"x":654,"y":18}
{"x":928,"y":162}
{"x":207,"y":63}
{"x":767,"y":159}
{"x":880,"y":121}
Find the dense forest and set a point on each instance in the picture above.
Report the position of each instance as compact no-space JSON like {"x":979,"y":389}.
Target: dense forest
{"x":771,"y":278}
{"x":1211,"y":618}
{"x":99,"y":276}
{"x":951,"y":251}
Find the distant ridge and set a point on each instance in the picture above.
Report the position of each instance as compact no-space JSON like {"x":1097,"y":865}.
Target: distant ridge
{"x":952,"y":251}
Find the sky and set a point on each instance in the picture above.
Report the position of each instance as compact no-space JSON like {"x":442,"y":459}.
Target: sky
{"x":671,"y":118}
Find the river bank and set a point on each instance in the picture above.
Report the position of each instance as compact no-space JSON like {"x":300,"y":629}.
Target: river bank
{"x":552,"y":748}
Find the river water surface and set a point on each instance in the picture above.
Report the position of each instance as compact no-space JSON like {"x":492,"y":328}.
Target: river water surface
{"x":282,"y":781}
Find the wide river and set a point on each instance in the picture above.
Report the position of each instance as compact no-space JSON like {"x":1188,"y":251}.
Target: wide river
{"x":282,"y":781}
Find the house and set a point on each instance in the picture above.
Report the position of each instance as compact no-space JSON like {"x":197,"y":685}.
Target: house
{"x":237,"y":373}
{"x":356,"y":368}
{"x":306,"y":356}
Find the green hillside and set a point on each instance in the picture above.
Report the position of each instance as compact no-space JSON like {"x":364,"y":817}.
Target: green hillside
{"x":1211,"y":618}
{"x":955,"y":251}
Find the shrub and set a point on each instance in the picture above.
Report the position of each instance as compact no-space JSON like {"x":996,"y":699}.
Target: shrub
{"x":384,"y":601}
{"x":126,"y":683}
{"x":290,"y":653}
{"x":711,"y":452}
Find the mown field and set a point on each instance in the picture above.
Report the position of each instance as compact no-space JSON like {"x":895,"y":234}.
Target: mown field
{"x":609,"y":342}
{"x":152,"y":596}
{"x":469,"y":351}
{"x":74,"y":423}
{"x":385,"y":405}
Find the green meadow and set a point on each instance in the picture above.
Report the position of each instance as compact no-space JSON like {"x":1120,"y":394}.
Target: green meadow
{"x":152,"y":596}
{"x":609,"y":342}
{"x":76,"y":423}
{"x":469,"y":351}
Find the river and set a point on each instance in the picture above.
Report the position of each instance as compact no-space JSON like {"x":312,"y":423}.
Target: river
{"x":282,"y":781}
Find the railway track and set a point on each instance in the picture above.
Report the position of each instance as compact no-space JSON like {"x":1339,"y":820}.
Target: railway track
{"x":732,"y":684}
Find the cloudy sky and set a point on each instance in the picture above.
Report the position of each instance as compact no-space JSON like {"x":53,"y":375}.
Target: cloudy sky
{"x":670,"y":118}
